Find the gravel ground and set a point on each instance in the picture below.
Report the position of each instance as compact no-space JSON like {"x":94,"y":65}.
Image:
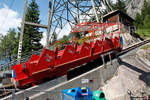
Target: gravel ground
{"x":133,"y":74}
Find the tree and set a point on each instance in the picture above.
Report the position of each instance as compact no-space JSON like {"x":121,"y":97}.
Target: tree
{"x":147,"y":22}
{"x":32,"y":36}
{"x":142,"y":21}
{"x":138,"y":20}
{"x":7,"y":44}
{"x":145,"y":10}
{"x":54,"y":37}
{"x":120,"y":4}
{"x":1,"y":37}
{"x":64,"y":41}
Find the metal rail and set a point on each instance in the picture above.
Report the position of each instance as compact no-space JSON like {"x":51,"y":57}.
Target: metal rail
{"x":134,"y":46}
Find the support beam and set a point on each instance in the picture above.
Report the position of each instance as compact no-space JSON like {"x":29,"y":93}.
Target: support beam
{"x":110,"y":58}
{"x":22,"y":31}
{"x":103,"y":59}
{"x":50,"y":17}
{"x":49,"y":20}
{"x":93,"y":5}
{"x":78,"y":15}
{"x":35,"y":24}
{"x":108,"y":5}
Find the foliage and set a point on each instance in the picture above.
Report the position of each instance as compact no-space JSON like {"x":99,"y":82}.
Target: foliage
{"x":120,"y":4}
{"x":1,"y":37}
{"x":7,"y":44}
{"x":54,"y":37}
{"x":32,"y":36}
{"x":142,"y":21}
{"x":138,"y":20}
{"x":145,"y":47}
{"x":145,"y":10}
{"x":64,"y":41}
{"x":147,"y":22}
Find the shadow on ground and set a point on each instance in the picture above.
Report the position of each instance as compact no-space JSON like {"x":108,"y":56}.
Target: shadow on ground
{"x":145,"y":76}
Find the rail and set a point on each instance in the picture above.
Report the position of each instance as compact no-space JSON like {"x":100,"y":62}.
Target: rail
{"x":134,"y":46}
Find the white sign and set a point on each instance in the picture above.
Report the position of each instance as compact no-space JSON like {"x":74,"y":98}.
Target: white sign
{"x":83,"y":81}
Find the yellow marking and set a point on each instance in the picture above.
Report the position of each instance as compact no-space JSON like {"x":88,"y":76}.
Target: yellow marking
{"x":40,"y":71}
{"x":83,"y":88}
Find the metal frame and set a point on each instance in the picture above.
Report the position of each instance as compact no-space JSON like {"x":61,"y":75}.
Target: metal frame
{"x":62,"y":12}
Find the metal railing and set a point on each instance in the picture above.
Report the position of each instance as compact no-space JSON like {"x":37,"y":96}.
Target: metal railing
{"x":7,"y":66}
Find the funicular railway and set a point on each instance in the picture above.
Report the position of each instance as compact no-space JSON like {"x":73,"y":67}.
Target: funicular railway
{"x":95,"y":39}
{"x":105,"y":34}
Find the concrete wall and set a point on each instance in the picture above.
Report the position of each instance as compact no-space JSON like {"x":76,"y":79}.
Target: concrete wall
{"x":52,"y":90}
{"x":36,"y":89}
{"x":99,"y":76}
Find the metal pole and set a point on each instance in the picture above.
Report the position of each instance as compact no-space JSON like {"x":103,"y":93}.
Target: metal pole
{"x":13,"y":94}
{"x":50,"y":14}
{"x":110,"y":58}
{"x":93,"y":5}
{"x":22,"y":31}
{"x":49,"y":18}
{"x":78,"y":17}
{"x":103,"y":59}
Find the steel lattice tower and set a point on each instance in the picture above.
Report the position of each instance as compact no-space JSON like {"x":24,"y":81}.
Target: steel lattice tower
{"x":73,"y":12}
{"x":66,"y":13}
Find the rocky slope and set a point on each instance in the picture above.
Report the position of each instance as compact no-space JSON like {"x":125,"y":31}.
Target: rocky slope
{"x":134,"y":7}
{"x":133,"y":75}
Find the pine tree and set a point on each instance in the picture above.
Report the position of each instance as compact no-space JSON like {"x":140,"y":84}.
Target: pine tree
{"x":138,"y":20}
{"x":147,"y":22}
{"x":145,"y":10}
{"x":120,"y":4}
{"x":142,"y":21}
{"x":32,"y":36}
{"x":7,"y":44}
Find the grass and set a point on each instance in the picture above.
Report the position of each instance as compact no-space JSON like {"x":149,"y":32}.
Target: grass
{"x":145,"y":47}
{"x":143,"y":32}
{"x":146,"y":34}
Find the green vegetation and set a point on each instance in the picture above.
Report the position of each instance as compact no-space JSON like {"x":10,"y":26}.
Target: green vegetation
{"x":7,"y":44}
{"x":142,"y":21}
{"x":145,"y":47}
{"x":32,"y":36}
{"x":54,"y":37}
{"x":120,"y":4}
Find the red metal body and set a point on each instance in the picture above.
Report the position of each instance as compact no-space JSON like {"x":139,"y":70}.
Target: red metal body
{"x":98,"y":38}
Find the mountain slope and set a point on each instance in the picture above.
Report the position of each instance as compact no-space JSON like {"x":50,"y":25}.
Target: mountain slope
{"x":134,"y":7}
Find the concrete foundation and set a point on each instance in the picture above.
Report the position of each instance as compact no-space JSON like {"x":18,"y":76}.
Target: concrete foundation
{"x":97,"y":78}
{"x":21,"y":95}
{"x":53,"y":90}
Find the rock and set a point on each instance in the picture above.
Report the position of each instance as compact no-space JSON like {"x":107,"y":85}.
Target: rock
{"x":135,"y":7}
{"x":117,"y":87}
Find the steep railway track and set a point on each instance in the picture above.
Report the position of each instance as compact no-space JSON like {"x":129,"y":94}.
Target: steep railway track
{"x":91,"y":65}
{"x":134,"y":46}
